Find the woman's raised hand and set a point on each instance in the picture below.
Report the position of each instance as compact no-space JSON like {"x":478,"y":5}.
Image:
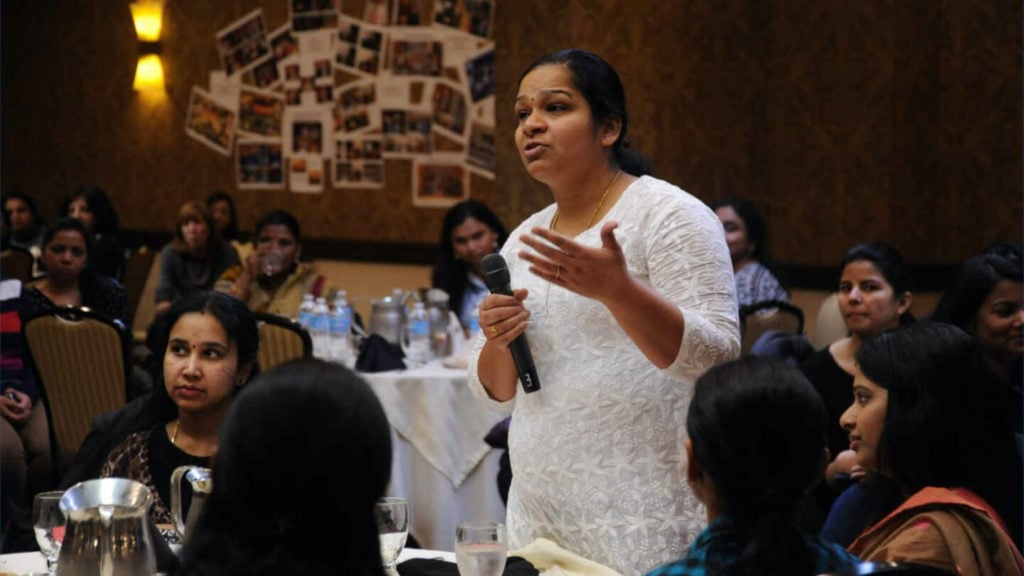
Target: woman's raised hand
{"x":599,"y":273}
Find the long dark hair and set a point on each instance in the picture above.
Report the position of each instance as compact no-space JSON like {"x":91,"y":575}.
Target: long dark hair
{"x":976,"y":279}
{"x":105,"y":221}
{"x":270,"y":476}
{"x":601,"y":87}
{"x":231,"y":232}
{"x":451,"y":273}
{"x":758,"y":432}
{"x":948,"y":420}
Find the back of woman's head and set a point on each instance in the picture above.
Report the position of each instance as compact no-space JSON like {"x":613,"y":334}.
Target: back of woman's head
{"x":757,"y":427}
{"x":104,"y":215}
{"x":961,"y":302}
{"x":947,"y":420}
{"x":271,"y":482}
{"x":601,"y":87}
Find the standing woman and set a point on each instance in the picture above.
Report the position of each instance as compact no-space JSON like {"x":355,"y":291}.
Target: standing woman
{"x":930,"y":411}
{"x":470,"y":232}
{"x":92,"y":206}
{"x":747,"y":235}
{"x":194,"y":259}
{"x":625,"y":289}
{"x":208,"y":346}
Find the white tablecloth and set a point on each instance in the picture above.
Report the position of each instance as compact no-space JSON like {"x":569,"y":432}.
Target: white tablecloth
{"x":442,"y":465}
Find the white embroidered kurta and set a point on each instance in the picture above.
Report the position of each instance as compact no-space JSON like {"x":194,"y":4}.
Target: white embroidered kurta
{"x":597,"y":454}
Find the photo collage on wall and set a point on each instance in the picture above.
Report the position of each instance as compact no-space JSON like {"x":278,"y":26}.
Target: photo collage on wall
{"x":325,"y":100}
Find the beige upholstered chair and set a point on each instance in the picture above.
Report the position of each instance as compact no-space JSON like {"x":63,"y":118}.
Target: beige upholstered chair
{"x":828,"y":324}
{"x":81,"y":362}
{"x":16,"y":263}
{"x":760,"y":317}
{"x":281,"y":340}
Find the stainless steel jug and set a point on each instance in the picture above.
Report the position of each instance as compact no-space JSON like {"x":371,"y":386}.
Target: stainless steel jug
{"x":107,"y":529}
{"x":201,"y":481}
{"x":387,"y":318}
{"x":437,"y":311}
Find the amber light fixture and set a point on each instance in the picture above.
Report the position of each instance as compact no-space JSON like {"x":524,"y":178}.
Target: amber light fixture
{"x":149,"y":72}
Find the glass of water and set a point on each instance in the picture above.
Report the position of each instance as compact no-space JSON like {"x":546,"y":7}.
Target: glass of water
{"x":481,"y":548}
{"x":393,"y":524}
{"x":48,"y":523}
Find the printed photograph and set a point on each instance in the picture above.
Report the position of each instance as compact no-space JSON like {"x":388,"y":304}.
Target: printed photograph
{"x":439,"y":183}
{"x":243,"y":43}
{"x":473,"y":16}
{"x":210,"y":122}
{"x":260,"y":112}
{"x":260,"y":165}
{"x":480,"y":75}
{"x":265,"y":73}
{"x":449,"y":106}
{"x":409,"y":12}
{"x":310,"y":15}
{"x":416,"y":58}
{"x":355,"y":107}
{"x":358,"y":163}
{"x":481,"y":148}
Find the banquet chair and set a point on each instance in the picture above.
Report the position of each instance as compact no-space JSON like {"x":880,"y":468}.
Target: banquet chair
{"x":829,"y":325}
{"x":760,"y":317}
{"x":16,"y":263}
{"x":281,"y":340}
{"x":135,"y":274}
{"x":81,"y":363}
{"x":890,"y":569}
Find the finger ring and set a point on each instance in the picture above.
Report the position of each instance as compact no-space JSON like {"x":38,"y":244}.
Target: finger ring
{"x":494,"y":330}
{"x":558,"y":272}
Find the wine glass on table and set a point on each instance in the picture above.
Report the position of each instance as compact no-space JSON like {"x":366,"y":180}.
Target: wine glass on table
{"x":481,"y":548}
{"x":48,"y":523}
{"x":393,"y":524}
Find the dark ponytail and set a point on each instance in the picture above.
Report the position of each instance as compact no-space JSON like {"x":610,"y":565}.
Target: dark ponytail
{"x":758,"y":432}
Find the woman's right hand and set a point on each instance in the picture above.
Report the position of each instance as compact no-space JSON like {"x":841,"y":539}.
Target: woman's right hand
{"x":15,"y":405}
{"x":503,"y":318}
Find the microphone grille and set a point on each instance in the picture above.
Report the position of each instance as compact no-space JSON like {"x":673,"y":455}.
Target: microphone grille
{"x":495,"y":271}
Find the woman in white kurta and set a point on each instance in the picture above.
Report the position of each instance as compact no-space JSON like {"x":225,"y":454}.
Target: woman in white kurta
{"x":624,"y":287}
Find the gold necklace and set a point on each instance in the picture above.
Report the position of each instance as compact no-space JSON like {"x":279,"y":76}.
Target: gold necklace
{"x":174,"y":435}
{"x":593,"y":217}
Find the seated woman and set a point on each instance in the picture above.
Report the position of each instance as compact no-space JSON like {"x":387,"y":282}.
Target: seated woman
{"x":875,"y":294}
{"x":269,"y":480}
{"x":931,"y":412}
{"x":756,"y":444}
{"x":222,"y":208}
{"x":470,"y":232}
{"x":208,"y":343}
{"x":22,"y":226}
{"x":987,"y":301}
{"x":92,"y":206}
{"x":757,"y":279}
{"x":194,"y":259}
{"x":272,"y":279}
{"x":69,"y":280}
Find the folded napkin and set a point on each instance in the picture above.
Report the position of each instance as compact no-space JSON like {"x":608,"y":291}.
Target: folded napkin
{"x":553,"y":560}
{"x":378,"y":355}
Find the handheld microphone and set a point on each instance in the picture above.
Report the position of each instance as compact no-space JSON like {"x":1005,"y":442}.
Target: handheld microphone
{"x":498,"y":281}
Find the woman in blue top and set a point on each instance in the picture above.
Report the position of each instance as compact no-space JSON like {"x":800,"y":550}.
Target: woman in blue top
{"x":756,"y":444}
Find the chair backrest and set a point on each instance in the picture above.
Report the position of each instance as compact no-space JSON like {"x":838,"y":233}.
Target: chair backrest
{"x":760,"y":317}
{"x":82,"y":366}
{"x":281,"y":340}
{"x":828,"y":324}
{"x":145,"y":305}
{"x":890,"y":569}
{"x":136,"y":271}
{"x":16,"y":263}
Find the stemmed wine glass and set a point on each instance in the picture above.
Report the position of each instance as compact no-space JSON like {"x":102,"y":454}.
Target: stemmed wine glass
{"x":393,"y":524}
{"x":481,"y":548}
{"x":48,"y":523}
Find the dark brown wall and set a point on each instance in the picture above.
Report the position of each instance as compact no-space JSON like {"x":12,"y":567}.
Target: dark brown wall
{"x":845,"y":120}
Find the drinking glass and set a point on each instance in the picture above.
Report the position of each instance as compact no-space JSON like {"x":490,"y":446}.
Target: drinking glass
{"x":393,"y":524}
{"x":48,"y":523}
{"x":480,"y":548}
{"x":270,"y":263}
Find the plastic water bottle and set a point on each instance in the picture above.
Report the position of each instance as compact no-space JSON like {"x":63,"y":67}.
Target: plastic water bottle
{"x":306,"y":312}
{"x":341,"y":332}
{"x":418,"y":346}
{"x":321,"y":329}
{"x":474,"y":323}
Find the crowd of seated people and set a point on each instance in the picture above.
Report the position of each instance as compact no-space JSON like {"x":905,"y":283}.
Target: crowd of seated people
{"x":859,"y":419}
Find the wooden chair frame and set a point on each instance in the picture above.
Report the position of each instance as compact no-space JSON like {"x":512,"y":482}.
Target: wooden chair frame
{"x":269,"y":354}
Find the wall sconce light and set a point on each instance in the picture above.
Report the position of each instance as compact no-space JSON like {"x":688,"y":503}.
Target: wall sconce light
{"x":148,"y":18}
